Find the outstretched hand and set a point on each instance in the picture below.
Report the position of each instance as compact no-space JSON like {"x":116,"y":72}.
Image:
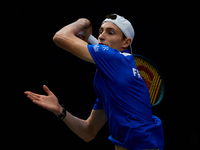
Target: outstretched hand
{"x":49,"y":102}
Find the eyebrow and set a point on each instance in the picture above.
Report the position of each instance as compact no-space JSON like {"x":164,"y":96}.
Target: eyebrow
{"x":112,"y":29}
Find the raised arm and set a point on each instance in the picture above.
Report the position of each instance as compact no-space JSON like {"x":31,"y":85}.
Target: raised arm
{"x":85,"y":129}
{"x":66,"y":39}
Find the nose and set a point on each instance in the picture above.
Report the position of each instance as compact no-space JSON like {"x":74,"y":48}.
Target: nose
{"x":101,"y":37}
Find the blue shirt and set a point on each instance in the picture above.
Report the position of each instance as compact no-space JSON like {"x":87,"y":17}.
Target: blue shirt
{"x":123,"y":95}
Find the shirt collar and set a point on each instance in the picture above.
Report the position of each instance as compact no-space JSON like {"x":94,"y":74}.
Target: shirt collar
{"x":126,"y":51}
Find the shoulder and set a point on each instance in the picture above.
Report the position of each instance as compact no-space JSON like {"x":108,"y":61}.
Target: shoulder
{"x":103,"y":51}
{"x":101,"y":48}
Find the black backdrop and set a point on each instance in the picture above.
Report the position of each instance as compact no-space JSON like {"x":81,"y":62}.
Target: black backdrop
{"x":31,"y":59}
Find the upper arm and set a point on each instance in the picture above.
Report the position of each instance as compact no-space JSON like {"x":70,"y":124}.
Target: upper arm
{"x":96,"y":120}
{"x":107,"y":60}
{"x":73,"y":45}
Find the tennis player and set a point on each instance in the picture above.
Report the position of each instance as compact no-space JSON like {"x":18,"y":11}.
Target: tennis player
{"x":122,"y":96}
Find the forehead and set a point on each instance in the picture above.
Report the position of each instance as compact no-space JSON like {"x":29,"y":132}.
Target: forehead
{"x":109,"y":25}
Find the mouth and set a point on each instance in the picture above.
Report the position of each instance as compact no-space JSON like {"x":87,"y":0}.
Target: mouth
{"x":103,"y":44}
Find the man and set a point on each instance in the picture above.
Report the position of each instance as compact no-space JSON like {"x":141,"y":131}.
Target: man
{"x":122,"y":96}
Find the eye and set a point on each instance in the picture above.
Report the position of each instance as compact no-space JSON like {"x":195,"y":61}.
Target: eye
{"x":111,"y":32}
{"x":100,"y":31}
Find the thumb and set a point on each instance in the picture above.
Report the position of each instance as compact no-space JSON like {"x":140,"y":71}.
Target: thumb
{"x":46,"y":89}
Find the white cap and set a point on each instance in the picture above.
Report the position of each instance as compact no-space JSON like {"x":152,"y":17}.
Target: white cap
{"x":124,"y":25}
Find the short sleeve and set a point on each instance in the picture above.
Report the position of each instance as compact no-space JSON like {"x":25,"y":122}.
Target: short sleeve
{"x":106,"y":59}
{"x":98,"y":104}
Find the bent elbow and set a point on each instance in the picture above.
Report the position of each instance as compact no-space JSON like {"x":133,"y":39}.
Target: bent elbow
{"x":89,"y":138}
{"x":60,"y":40}
{"x":62,"y":36}
{"x":56,"y":38}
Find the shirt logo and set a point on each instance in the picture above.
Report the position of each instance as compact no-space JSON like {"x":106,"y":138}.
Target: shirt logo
{"x":96,"y":48}
{"x":136,"y":73}
{"x":105,"y":48}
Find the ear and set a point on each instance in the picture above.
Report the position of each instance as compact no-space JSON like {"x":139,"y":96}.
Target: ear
{"x":127,"y":42}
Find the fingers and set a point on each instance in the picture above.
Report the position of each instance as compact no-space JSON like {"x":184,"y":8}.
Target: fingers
{"x":46,"y":89}
{"x":37,"y":98}
{"x":81,"y":36}
{"x":32,"y":96}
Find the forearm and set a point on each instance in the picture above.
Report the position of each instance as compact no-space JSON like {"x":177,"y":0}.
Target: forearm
{"x":73,"y":28}
{"x":79,"y":127}
{"x":85,"y":129}
{"x":66,"y":39}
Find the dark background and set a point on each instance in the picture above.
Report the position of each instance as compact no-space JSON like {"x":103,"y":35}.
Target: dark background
{"x":31,"y":59}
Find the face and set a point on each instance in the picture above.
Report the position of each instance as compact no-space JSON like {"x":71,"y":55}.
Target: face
{"x":112,"y":36}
